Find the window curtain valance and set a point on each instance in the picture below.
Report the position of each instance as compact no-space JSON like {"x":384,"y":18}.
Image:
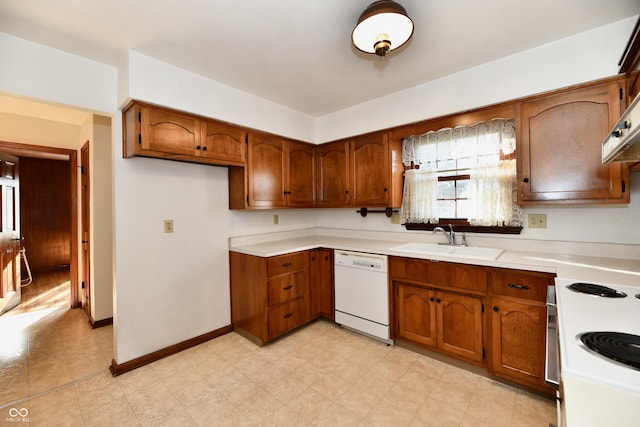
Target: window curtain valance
{"x":480,"y":151}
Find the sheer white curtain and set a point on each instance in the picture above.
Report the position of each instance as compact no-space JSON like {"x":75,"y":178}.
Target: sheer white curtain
{"x":474,"y":150}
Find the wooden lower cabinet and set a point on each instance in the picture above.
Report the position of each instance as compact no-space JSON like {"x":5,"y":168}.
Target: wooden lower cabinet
{"x":321,"y":283}
{"x":518,"y":325}
{"x":518,"y":339}
{"x":269,"y":296}
{"x":448,"y":321}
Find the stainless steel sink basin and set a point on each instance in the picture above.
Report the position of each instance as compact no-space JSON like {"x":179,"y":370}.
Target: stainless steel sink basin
{"x":450,"y":251}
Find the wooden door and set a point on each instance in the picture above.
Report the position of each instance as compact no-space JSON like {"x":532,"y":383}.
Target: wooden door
{"x":333,"y":174}
{"x":85,"y":283}
{"x":9,"y":232}
{"x":302,"y":172}
{"x":416,"y":314}
{"x":321,"y":283}
{"x":460,"y":325}
{"x":518,"y":339}
{"x":224,"y":142}
{"x":266,"y":171}
{"x":169,"y":132}
{"x":560,"y":152}
{"x":370,"y":176}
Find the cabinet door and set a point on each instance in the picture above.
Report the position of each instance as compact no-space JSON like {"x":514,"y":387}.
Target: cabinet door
{"x":460,"y":325}
{"x":333,"y":174}
{"x":169,"y":132}
{"x":370,"y":177}
{"x":266,"y":173}
{"x":560,"y":155}
{"x":321,"y":286}
{"x":223,"y":142}
{"x":302,"y":173}
{"x":518,"y":339}
{"x":416,"y":314}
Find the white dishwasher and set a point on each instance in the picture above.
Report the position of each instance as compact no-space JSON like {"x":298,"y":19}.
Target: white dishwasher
{"x":362,"y":293}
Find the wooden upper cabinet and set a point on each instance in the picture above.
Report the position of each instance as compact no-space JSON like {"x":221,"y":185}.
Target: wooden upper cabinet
{"x":357,"y":172}
{"x":301,"y":190}
{"x":560,"y":148}
{"x":158,"y":132}
{"x":223,"y":141}
{"x":333,"y":174}
{"x":370,"y":177}
{"x":266,"y":163}
{"x":280,"y":173}
{"x":169,"y":132}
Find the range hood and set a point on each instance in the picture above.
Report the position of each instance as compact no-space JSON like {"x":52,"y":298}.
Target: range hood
{"x":623,"y":143}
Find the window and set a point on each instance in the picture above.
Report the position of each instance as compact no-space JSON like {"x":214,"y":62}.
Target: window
{"x":466,"y":173}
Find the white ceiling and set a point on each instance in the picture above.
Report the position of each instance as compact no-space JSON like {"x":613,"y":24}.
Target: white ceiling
{"x":297,"y":52}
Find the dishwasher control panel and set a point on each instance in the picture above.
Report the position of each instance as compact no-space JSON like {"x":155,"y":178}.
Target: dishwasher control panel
{"x":361,"y":260}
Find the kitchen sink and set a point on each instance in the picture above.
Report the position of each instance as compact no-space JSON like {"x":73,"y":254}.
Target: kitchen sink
{"x":450,"y":251}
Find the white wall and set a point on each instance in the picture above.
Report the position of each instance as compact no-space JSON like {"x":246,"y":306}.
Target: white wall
{"x":170,"y":287}
{"x":164,"y":84}
{"x":101,"y":166}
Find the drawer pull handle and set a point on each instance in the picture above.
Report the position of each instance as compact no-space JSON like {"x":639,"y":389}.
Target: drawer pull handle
{"x":286,"y":288}
{"x":515,"y":286}
{"x":286,"y":316}
{"x":286,"y":264}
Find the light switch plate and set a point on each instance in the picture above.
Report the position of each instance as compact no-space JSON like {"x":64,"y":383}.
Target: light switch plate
{"x":168,"y":226}
{"x":276,"y":219}
{"x":537,"y":220}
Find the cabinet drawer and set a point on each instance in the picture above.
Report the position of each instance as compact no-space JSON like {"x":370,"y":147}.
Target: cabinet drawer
{"x":286,"y":287}
{"x":521,"y":284}
{"x":286,"y":263}
{"x":287,"y":316}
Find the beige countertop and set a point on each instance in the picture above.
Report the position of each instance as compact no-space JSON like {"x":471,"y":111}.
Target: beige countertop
{"x":576,"y":267}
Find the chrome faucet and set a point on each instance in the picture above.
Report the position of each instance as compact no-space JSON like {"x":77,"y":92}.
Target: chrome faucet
{"x":451,"y":236}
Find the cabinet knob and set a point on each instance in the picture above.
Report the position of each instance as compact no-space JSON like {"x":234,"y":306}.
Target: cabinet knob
{"x":432,"y":299}
{"x":198,"y":147}
{"x":495,"y":308}
{"x":346,"y":191}
{"x":526,"y":180}
{"x":385,"y":189}
{"x":204,"y":148}
{"x":326,"y":258}
{"x":313,"y":258}
{"x":438,"y":300}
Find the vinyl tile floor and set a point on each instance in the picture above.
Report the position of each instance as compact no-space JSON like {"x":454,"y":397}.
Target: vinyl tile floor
{"x":54,"y":372}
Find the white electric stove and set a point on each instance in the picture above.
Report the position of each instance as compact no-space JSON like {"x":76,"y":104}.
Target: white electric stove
{"x":599,"y":386}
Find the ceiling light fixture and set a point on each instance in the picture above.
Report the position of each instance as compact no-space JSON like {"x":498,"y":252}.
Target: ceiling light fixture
{"x":382,"y":27}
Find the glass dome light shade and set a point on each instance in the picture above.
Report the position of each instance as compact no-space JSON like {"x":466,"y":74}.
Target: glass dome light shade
{"x":382,"y":20}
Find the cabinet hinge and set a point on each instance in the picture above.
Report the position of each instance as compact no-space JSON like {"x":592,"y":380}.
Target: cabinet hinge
{"x":484,"y":353}
{"x":82,"y":170}
{"x":82,"y":286}
{"x":624,"y":186}
{"x":482,"y":308}
{"x":140,"y":138}
{"x":246,"y":138}
{"x":247,"y":199}
{"x":139,"y":117}
{"x":621,"y":93}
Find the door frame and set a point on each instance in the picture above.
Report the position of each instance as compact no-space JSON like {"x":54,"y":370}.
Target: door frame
{"x":27,"y":150}
{"x":85,"y":227}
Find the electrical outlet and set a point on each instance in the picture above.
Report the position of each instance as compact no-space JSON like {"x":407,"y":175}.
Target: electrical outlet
{"x":168,"y":226}
{"x":395,"y":218}
{"x":537,"y":220}
{"x":276,"y":220}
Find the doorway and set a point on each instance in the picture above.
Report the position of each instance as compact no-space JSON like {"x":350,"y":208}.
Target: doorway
{"x":70,"y":157}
